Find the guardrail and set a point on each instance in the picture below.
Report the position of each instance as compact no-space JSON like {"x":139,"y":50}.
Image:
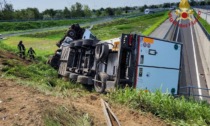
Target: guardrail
{"x":202,"y":27}
{"x":204,"y":30}
{"x":78,"y":18}
{"x":171,"y":32}
{"x":189,"y":91}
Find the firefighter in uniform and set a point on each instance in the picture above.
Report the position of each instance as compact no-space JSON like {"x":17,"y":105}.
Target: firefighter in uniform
{"x":21,"y":48}
{"x":31,"y":53}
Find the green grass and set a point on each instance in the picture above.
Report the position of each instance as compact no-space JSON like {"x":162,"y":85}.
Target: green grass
{"x":205,"y":24}
{"x":155,"y":25}
{"x":52,"y":35}
{"x":140,"y":25}
{"x":63,"y":116}
{"x":178,"y":111}
{"x":37,"y":74}
{"x":44,"y":42}
{"x":17,"y":26}
{"x":42,"y":46}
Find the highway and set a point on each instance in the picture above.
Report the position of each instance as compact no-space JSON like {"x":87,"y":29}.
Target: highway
{"x":192,"y":73}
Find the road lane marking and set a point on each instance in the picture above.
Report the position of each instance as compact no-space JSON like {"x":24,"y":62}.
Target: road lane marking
{"x":196,"y":66}
{"x":177,"y":35}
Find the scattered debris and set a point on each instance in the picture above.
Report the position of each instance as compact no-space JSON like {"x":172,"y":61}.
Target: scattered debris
{"x":111,"y":119}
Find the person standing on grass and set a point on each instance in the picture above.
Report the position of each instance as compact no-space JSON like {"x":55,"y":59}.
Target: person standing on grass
{"x":22,"y":49}
{"x":31,"y":53}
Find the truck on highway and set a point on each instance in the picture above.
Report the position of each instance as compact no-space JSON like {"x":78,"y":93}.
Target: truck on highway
{"x":153,"y":10}
{"x":132,"y":60}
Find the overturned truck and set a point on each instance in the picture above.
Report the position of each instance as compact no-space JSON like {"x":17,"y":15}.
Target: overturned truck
{"x":131,"y":60}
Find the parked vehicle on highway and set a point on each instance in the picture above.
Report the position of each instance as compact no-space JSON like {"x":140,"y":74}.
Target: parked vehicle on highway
{"x":133,"y":60}
{"x":1,"y":36}
{"x":154,"y":10}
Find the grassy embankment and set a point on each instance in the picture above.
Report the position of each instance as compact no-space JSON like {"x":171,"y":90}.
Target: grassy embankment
{"x":203,"y":22}
{"x":44,"y":43}
{"x":44,"y":78}
{"x":28,"y":25}
{"x":178,"y":111}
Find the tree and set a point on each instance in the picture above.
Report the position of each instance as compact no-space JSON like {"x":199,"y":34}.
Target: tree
{"x":35,"y":12}
{"x":143,"y":8}
{"x":153,"y":6}
{"x":7,"y":12}
{"x":30,"y":14}
{"x":166,"y":5}
{"x":208,"y":2}
{"x":118,"y":11}
{"x":59,"y":14}
{"x":109,"y":11}
{"x":98,"y":13}
{"x":47,"y":17}
{"x":50,"y":12}
{"x":87,"y":11}
{"x":76,"y":10}
{"x":66,"y":13}
{"x":127,"y":9}
{"x":202,"y":3}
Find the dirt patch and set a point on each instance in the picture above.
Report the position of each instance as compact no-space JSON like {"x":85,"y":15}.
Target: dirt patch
{"x":5,"y":56}
{"x":20,"y":105}
{"x":26,"y":106}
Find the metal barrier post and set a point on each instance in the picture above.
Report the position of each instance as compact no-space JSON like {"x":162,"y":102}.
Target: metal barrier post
{"x":189,"y":91}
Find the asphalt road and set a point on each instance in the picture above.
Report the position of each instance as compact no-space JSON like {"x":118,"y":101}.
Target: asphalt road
{"x":192,"y":71}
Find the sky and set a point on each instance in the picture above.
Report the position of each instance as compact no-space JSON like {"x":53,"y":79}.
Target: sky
{"x":93,"y":4}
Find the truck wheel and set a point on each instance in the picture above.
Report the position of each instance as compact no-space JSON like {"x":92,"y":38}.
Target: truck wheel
{"x":100,"y":86}
{"x":72,"y":34}
{"x":85,"y":80}
{"x":101,"y":52}
{"x":73,"y":77}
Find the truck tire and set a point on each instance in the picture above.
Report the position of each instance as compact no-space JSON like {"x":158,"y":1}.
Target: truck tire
{"x":85,"y":80}
{"x":87,"y":42}
{"x":73,"y":77}
{"x":101,"y":52}
{"x":100,"y":87}
{"x":72,"y":34}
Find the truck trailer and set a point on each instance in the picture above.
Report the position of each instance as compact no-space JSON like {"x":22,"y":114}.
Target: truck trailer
{"x":131,"y":60}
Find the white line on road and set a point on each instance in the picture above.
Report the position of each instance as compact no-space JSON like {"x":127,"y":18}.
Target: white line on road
{"x":196,"y":65}
{"x":177,"y":35}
